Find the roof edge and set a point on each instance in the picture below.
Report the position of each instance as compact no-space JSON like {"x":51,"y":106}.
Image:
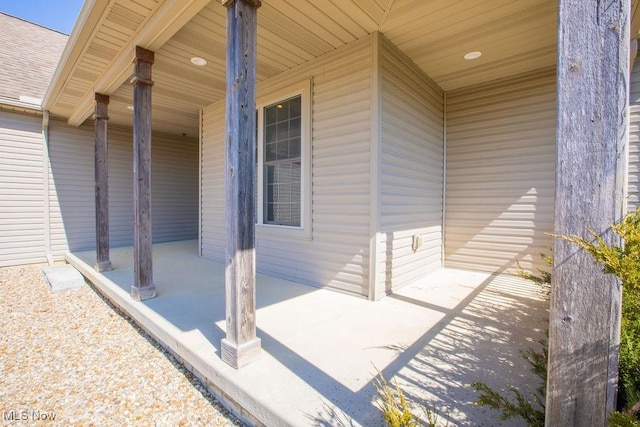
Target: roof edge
{"x":21,"y":105}
{"x":161,"y":24}
{"x":84,"y":27}
{"x":34,"y":23}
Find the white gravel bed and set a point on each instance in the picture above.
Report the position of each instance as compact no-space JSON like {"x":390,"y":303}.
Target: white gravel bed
{"x":72,"y":357}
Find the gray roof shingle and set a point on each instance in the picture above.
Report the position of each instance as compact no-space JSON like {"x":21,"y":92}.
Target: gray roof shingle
{"x":29,"y":55}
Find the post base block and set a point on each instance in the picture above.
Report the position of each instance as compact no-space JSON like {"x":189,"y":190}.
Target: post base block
{"x":140,"y":293}
{"x":103,"y":266}
{"x":240,"y":355}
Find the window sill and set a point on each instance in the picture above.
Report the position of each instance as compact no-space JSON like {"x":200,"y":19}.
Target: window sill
{"x":283,"y":231}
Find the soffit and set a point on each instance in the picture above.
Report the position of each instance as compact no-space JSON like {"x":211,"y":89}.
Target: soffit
{"x":98,"y":56}
{"x":514,"y":36}
{"x":109,"y":27}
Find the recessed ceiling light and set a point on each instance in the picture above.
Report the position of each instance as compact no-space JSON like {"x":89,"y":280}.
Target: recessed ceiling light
{"x":130,"y":107}
{"x":472,"y":55}
{"x":200,"y":62}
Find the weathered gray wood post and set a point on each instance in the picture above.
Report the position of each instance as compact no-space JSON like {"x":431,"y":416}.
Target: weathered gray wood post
{"x":241,"y":345}
{"x":593,"y":84}
{"x":143,"y":287}
{"x":103,"y":263}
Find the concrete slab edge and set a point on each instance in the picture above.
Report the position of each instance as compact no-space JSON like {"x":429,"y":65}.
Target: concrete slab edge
{"x":242,"y":405}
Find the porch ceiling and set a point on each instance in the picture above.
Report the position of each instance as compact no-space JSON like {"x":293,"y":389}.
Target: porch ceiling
{"x":514,"y":36}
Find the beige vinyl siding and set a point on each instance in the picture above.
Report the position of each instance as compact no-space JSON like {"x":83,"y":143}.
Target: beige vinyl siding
{"x":633,"y":201}
{"x":174,"y":187}
{"x":411,"y":169}
{"x":500,"y":172}
{"x":21,"y":189}
{"x":337,"y":253}
{"x":174,"y":176}
{"x":212,"y":186}
{"x":121,"y":186}
{"x":71,"y":188}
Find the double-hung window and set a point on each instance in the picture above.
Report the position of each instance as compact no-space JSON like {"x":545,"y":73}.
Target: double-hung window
{"x":282,"y":167}
{"x":283,"y":163}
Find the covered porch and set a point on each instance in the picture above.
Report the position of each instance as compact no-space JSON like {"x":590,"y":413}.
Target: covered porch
{"x":320,"y":348}
{"x":368,"y":112}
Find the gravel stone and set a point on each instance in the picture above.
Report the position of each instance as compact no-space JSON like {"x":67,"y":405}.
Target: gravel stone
{"x":73,"y":357}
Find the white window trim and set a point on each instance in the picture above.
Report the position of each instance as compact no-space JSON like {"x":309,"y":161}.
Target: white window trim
{"x":304,"y":231}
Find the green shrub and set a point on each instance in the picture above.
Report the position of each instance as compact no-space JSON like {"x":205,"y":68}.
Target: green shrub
{"x":621,"y":419}
{"x":395,"y":407}
{"x":543,"y":278}
{"x":624,"y":262}
{"x":530,"y":409}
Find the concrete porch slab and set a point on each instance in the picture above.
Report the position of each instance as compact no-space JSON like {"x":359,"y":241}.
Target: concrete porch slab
{"x":321,"y":348}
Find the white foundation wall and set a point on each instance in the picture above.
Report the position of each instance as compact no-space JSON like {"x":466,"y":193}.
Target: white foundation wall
{"x":411,"y":170}
{"x":174,"y":187}
{"x":500,"y":173}
{"x":22,"y":210}
{"x":336,"y":254}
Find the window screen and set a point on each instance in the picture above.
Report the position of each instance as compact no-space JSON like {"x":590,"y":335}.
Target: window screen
{"x":282,"y":162}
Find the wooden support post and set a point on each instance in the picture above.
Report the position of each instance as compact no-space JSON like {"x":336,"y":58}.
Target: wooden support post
{"x":102,"y":182}
{"x":241,"y":346}
{"x":143,"y":287}
{"x":593,"y":84}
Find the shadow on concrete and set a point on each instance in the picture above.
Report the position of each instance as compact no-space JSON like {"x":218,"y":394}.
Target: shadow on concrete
{"x":321,"y":349}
